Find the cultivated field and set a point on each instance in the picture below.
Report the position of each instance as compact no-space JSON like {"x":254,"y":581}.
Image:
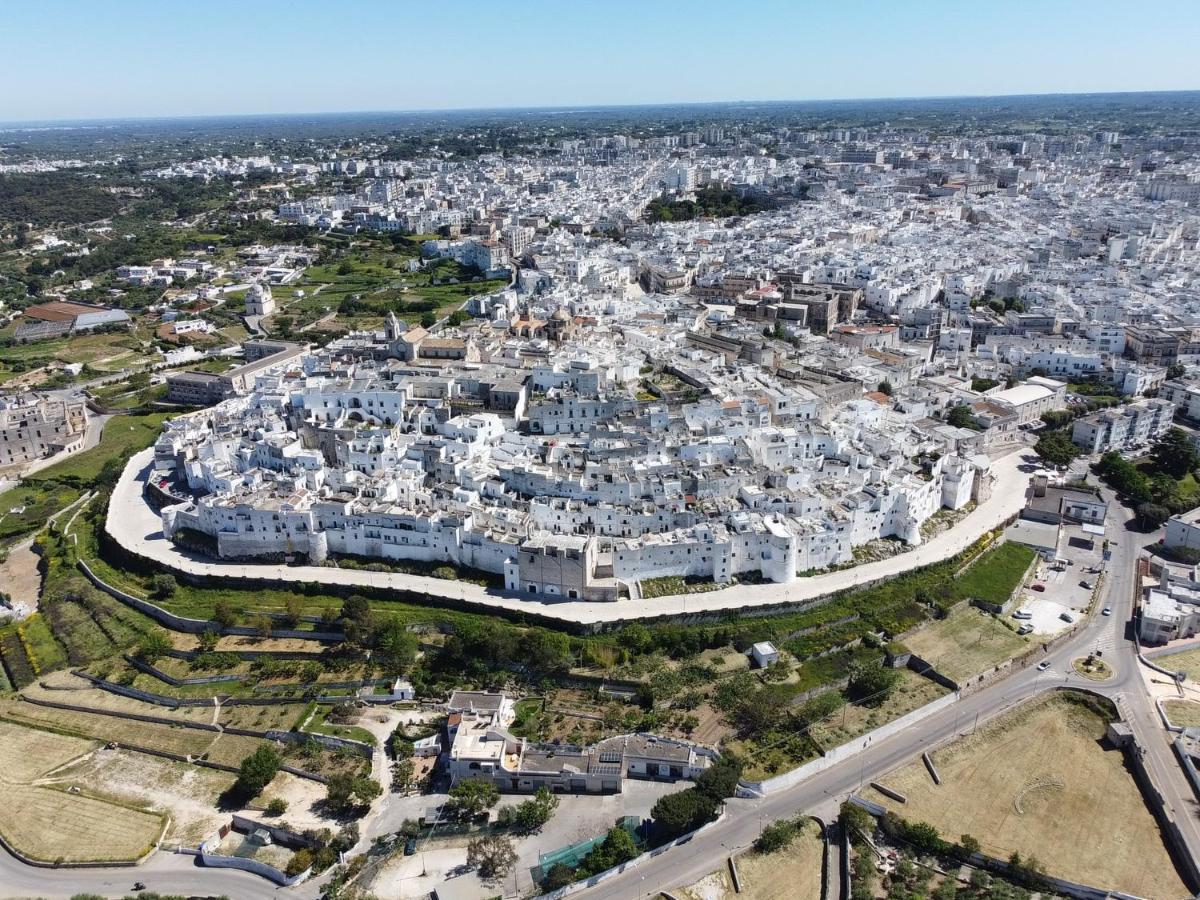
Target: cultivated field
{"x":49,"y":824}
{"x":188,"y":793}
{"x":966,"y":643}
{"x":26,"y":753}
{"x":56,"y":821}
{"x":793,"y":873}
{"x":1040,"y":782}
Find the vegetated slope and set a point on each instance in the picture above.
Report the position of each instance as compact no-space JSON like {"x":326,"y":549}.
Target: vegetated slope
{"x":48,"y":198}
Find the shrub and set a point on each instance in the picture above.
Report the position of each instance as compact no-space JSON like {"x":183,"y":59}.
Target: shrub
{"x":302,"y":859}
{"x":277,"y":807}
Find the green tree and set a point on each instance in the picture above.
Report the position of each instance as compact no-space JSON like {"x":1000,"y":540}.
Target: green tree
{"x":395,"y":646}
{"x":856,"y":821}
{"x":1152,"y":516}
{"x":256,"y":772}
{"x":720,"y":780}
{"x":1056,"y":448}
{"x":1174,"y":454}
{"x":492,"y":855}
{"x":163,"y":586}
{"x":616,"y":848}
{"x":885,"y":387}
{"x":472,"y":796}
{"x":153,"y":645}
{"x":871,"y":684}
{"x":545,"y":651}
{"x":677,"y":814}
{"x":530,"y":815}
{"x":346,"y":794}
{"x":224,"y":614}
{"x":960,"y":416}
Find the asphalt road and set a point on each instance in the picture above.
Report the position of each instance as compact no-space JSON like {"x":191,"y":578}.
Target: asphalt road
{"x":822,"y":793}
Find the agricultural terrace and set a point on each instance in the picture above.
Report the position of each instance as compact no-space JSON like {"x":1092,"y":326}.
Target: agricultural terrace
{"x":1002,"y":787}
{"x":58,"y":822}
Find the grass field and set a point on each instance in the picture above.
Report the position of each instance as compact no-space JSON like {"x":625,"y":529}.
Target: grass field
{"x":26,"y":753}
{"x":1183,"y":712}
{"x":1040,"y":782}
{"x":793,"y":873}
{"x":965,"y":643}
{"x":36,"y":503}
{"x":994,"y":576}
{"x":1183,"y":661}
{"x":48,"y":822}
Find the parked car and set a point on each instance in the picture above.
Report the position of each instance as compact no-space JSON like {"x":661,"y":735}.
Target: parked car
{"x":1038,"y":586}
{"x":1025,"y":629}
{"x":1107,"y":611}
{"x":1085,"y":584}
{"x":1043,"y":666}
{"x":1022,"y":614}
{"x":410,"y":846}
{"x":1066,"y":617}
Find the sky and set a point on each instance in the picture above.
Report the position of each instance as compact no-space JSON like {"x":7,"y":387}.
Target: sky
{"x":134,"y":58}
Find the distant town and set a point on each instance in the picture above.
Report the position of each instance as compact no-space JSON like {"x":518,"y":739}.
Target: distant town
{"x":487,"y":506}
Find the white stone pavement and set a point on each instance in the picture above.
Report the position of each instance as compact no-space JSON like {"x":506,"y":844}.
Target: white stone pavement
{"x":136,"y":527}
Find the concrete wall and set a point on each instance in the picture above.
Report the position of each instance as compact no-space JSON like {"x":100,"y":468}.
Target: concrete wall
{"x":217,"y":861}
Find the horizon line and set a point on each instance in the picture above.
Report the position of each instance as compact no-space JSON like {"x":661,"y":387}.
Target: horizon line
{"x":581,"y":107}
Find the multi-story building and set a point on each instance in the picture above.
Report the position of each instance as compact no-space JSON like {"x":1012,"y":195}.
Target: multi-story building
{"x":1124,"y":427}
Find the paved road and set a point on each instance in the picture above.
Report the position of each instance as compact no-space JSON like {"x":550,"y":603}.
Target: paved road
{"x":822,"y":793}
{"x":137,"y":528}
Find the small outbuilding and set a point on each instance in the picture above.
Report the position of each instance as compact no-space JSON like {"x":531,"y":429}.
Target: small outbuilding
{"x":764,"y":653}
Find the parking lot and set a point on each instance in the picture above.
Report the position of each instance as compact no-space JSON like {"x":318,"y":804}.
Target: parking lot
{"x":1063,"y":587}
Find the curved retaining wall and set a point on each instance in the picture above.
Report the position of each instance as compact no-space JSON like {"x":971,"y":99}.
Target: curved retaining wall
{"x":217,"y":861}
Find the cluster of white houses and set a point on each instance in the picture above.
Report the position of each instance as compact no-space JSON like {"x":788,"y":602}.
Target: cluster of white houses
{"x":482,"y":747}
{"x":335,"y":456}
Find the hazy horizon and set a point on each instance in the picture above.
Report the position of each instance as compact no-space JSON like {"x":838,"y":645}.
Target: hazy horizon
{"x":133,"y":59}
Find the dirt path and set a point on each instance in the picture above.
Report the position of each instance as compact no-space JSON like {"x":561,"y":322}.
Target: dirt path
{"x":19,"y":578}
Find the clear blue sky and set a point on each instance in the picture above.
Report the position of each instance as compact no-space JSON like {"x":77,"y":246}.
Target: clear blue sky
{"x":114,"y":58}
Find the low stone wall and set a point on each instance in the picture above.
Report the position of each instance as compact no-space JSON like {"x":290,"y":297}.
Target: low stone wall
{"x":844,"y":751}
{"x":327,"y":741}
{"x":162,"y":676}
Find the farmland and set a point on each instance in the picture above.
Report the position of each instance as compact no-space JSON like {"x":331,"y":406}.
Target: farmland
{"x":49,"y":822}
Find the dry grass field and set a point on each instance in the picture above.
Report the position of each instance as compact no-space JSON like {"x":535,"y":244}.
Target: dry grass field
{"x":26,"y":753}
{"x":790,"y":874}
{"x":188,"y":793}
{"x":966,"y":643}
{"x":1183,"y":712}
{"x":1183,"y":661}
{"x":1040,"y":781}
{"x":59,"y":818}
